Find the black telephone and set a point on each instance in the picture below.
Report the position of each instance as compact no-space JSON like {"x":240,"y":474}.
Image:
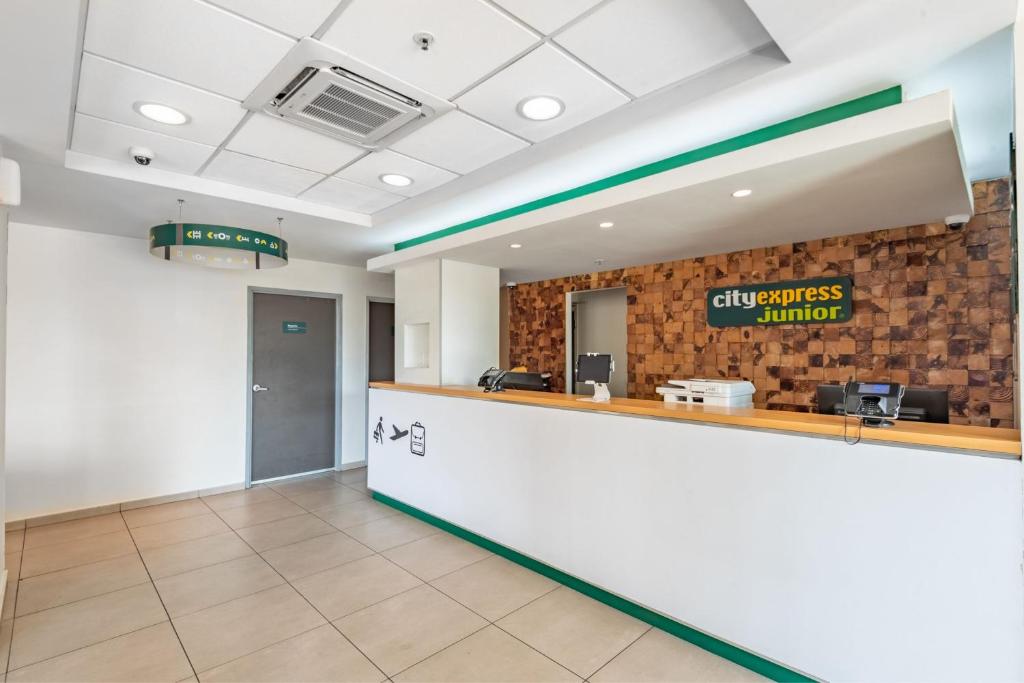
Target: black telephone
{"x":873,"y":403}
{"x":491,"y":379}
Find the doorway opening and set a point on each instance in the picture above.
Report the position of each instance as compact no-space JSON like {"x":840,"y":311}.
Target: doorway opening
{"x":597,"y":324}
{"x":294,"y":384}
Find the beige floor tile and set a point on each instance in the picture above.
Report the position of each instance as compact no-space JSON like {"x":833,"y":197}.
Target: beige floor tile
{"x":434,"y":556}
{"x":12,"y":563}
{"x":329,"y":497}
{"x":13,"y":541}
{"x":487,"y":655}
{"x":178,"y":530}
{"x":355,"y":513}
{"x":233,"y":499}
{"x":298,"y":486}
{"x":63,"y":532}
{"x":494,"y":587}
{"x":260,"y":513}
{"x":353,"y":586}
{"x":577,"y":632}
{"x":166,"y":512}
{"x":50,"y":558}
{"x":62,"y":629}
{"x":401,"y":631}
{"x":201,"y":588}
{"x":354,"y":476}
{"x":320,"y":655}
{"x":658,"y":657}
{"x":225,"y":632}
{"x":10,"y":600}
{"x":284,"y":531}
{"x":361,"y":487}
{"x":77,"y":583}
{"x":315,"y":555}
{"x":389,"y":532}
{"x":6,"y":631}
{"x":150,"y":654}
{"x":173,"y":559}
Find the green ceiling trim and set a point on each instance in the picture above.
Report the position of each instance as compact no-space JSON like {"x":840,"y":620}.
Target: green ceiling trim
{"x":838,"y":112}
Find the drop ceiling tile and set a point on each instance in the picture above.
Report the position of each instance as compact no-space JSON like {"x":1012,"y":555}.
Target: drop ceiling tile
{"x":186,"y":40}
{"x":297,"y":19}
{"x":259,"y":174}
{"x":458,"y":142}
{"x":277,"y":140}
{"x":352,"y":196}
{"x":110,"y":91}
{"x":113,"y":141}
{"x":547,"y":16}
{"x":545,"y":71}
{"x":643,"y":45}
{"x":471,"y":39}
{"x":367,"y":171}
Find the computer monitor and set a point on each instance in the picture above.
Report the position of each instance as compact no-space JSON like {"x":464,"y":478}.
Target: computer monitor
{"x":918,"y":405}
{"x":596,"y":369}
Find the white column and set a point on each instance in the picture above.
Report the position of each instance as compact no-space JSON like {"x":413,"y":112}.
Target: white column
{"x":446,"y":322}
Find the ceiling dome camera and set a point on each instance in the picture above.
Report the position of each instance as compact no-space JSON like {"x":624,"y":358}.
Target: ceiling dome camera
{"x":141,"y":155}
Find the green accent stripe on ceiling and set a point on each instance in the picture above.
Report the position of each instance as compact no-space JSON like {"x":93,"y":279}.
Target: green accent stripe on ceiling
{"x":844,"y":110}
{"x":744,"y":658}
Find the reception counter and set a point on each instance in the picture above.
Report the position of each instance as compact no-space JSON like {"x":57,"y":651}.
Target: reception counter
{"x":760,"y":535}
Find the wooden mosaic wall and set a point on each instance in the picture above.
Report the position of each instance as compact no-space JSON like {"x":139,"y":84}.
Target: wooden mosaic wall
{"x":931,"y":309}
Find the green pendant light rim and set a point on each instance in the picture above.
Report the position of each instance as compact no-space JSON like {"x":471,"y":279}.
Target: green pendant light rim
{"x":201,"y":236}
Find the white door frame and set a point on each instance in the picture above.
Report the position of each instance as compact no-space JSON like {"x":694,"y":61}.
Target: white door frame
{"x":366,"y":365}
{"x":249,"y":378}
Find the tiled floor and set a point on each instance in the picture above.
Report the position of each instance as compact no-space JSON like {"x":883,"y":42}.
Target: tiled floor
{"x":309,"y":580}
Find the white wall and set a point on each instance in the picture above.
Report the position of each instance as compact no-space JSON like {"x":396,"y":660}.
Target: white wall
{"x":127,"y":374}
{"x":469,"y":321}
{"x":3,"y":366}
{"x":850,"y":563}
{"x":418,"y":301}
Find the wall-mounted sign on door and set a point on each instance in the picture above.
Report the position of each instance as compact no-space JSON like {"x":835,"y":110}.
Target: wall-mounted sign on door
{"x":293,"y":327}
{"x":817,"y":300}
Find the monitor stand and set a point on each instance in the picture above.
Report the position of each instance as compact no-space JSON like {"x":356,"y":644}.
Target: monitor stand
{"x":601,"y":394}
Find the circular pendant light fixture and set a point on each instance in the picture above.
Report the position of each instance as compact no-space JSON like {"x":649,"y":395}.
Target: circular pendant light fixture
{"x":217,"y":246}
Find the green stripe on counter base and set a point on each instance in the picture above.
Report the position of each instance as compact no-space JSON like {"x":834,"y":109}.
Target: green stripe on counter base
{"x":838,"y":112}
{"x":769,"y":669}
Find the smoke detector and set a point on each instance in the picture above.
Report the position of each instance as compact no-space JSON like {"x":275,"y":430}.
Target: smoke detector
{"x":327,"y":91}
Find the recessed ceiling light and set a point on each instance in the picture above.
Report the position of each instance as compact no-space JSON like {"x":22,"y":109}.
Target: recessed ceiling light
{"x":606,"y":225}
{"x":161,"y":113}
{"x":541,"y":108}
{"x":742,"y":193}
{"x":515,"y":246}
{"x":396,"y":179}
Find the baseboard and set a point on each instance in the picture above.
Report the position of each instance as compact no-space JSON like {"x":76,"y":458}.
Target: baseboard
{"x":352,"y":465}
{"x":83,"y":513}
{"x":735,"y":654}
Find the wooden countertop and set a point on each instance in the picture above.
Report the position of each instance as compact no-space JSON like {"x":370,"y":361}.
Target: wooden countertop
{"x":989,"y":440}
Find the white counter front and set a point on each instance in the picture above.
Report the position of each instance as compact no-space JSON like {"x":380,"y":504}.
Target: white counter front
{"x":868,"y":562}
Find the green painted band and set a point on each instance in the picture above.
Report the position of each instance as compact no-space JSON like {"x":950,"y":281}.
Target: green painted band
{"x":838,"y":112}
{"x":744,"y":658}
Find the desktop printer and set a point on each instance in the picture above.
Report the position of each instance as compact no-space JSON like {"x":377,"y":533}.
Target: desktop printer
{"x":730,"y":393}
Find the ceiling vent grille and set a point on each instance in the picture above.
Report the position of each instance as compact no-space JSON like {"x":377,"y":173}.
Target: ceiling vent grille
{"x":345,"y":105}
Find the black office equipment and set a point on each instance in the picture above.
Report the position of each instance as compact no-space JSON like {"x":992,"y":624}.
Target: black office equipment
{"x":529,"y":381}
{"x":491,"y":379}
{"x":918,"y":405}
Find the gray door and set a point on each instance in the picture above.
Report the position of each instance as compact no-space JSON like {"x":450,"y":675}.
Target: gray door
{"x":382,"y":342}
{"x":293,"y":356}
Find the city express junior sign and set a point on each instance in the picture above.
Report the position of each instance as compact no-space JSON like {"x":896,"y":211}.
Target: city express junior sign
{"x":818,"y":300}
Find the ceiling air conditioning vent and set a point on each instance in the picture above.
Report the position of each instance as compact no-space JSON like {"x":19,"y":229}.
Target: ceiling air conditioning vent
{"x":345,"y":105}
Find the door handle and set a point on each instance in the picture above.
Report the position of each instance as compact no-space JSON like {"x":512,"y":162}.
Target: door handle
{"x":256,"y":388}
